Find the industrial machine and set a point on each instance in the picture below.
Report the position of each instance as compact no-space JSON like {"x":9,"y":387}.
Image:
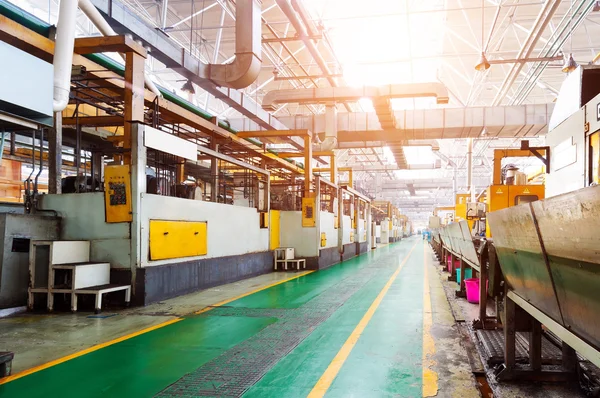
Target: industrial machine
{"x":547,"y":250}
{"x":391,"y":225}
{"x":509,"y":187}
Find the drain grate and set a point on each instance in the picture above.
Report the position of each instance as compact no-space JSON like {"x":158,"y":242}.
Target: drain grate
{"x":238,"y":369}
{"x":493,"y":346}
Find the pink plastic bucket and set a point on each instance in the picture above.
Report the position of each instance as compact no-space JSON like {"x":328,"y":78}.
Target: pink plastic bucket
{"x":456,"y":265}
{"x":472,"y":288}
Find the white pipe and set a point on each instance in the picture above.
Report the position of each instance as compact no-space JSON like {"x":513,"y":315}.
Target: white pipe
{"x":63,"y":53}
{"x":100,"y":23}
{"x":244,"y":69}
{"x":290,"y":13}
{"x":330,"y":141}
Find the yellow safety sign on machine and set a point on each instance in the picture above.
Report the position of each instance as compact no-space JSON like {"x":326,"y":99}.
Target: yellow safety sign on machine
{"x":176,"y":239}
{"x":323,"y":239}
{"x":117,"y":194}
{"x":308,"y":212}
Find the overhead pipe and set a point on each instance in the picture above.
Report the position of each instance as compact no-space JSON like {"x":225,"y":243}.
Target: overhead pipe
{"x":63,"y":54}
{"x":299,"y":26}
{"x":529,"y":83}
{"x":290,"y":13}
{"x":340,"y":94}
{"x":330,"y":142}
{"x":310,"y":26}
{"x":245,"y":67}
{"x":542,"y":20}
{"x":103,"y":27}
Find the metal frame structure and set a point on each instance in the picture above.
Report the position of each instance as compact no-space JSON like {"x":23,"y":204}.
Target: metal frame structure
{"x":521,"y":38}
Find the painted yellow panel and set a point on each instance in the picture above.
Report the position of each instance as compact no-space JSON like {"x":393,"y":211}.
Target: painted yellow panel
{"x":595,"y":154}
{"x":117,"y":194}
{"x":264,"y":220}
{"x":502,"y":196}
{"x":524,"y":193}
{"x":274,"y":234}
{"x":323,"y":239}
{"x":308,"y":212}
{"x":497,"y":199}
{"x":176,"y":239}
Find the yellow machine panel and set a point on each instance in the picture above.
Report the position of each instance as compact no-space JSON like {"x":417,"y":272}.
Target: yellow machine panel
{"x":351,"y":236}
{"x":176,"y":239}
{"x":595,"y":157}
{"x":460,"y":209}
{"x":308,"y":212}
{"x":502,"y":196}
{"x":274,"y":234}
{"x":117,"y":194}
{"x":323,"y":239}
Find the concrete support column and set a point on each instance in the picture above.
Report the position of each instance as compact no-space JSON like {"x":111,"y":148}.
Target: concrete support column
{"x":369,"y":227}
{"x":333,"y":169}
{"x":378,"y":186}
{"x":138,"y":188}
{"x":454,"y":182}
{"x":214,"y":172}
{"x":308,"y":174}
{"x":54,"y":155}
{"x":134,"y":98}
{"x":180,"y":172}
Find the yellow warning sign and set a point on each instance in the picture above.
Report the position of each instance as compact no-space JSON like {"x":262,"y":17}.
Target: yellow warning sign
{"x":526,"y":190}
{"x":499,"y":190}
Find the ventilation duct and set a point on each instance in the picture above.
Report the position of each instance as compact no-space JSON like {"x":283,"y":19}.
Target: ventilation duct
{"x":330,"y":141}
{"x":341,"y":94}
{"x":65,"y":43}
{"x":245,"y":67}
{"x":240,"y":73}
{"x":63,"y":53}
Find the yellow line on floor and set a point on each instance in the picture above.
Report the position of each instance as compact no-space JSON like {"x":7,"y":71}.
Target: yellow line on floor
{"x":86,"y":351}
{"x":134,"y":334}
{"x":334,"y":367}
{"x":221,"y":303}
{"x":430,"y":377}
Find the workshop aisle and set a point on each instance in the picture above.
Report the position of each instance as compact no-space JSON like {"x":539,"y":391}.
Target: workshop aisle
{"x":360,"y":328}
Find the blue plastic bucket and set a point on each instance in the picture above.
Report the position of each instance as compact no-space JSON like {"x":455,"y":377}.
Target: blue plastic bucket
{"x":468,"y":274}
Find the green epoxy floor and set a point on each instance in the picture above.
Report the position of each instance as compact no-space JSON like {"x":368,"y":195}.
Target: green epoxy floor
{"x":386,"y":361}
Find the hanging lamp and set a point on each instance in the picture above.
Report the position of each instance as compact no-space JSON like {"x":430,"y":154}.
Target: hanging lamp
{"x":188,"y":87}
{"x":483,"y":63}
{"x":570,"y":65}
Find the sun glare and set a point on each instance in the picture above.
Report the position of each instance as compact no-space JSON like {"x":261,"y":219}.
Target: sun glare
{"x":378,"y":47}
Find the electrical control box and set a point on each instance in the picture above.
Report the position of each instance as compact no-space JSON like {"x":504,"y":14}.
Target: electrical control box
{"x":117,"y":194}
{"x":476,"y":210}
{"x":308,"y":212}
